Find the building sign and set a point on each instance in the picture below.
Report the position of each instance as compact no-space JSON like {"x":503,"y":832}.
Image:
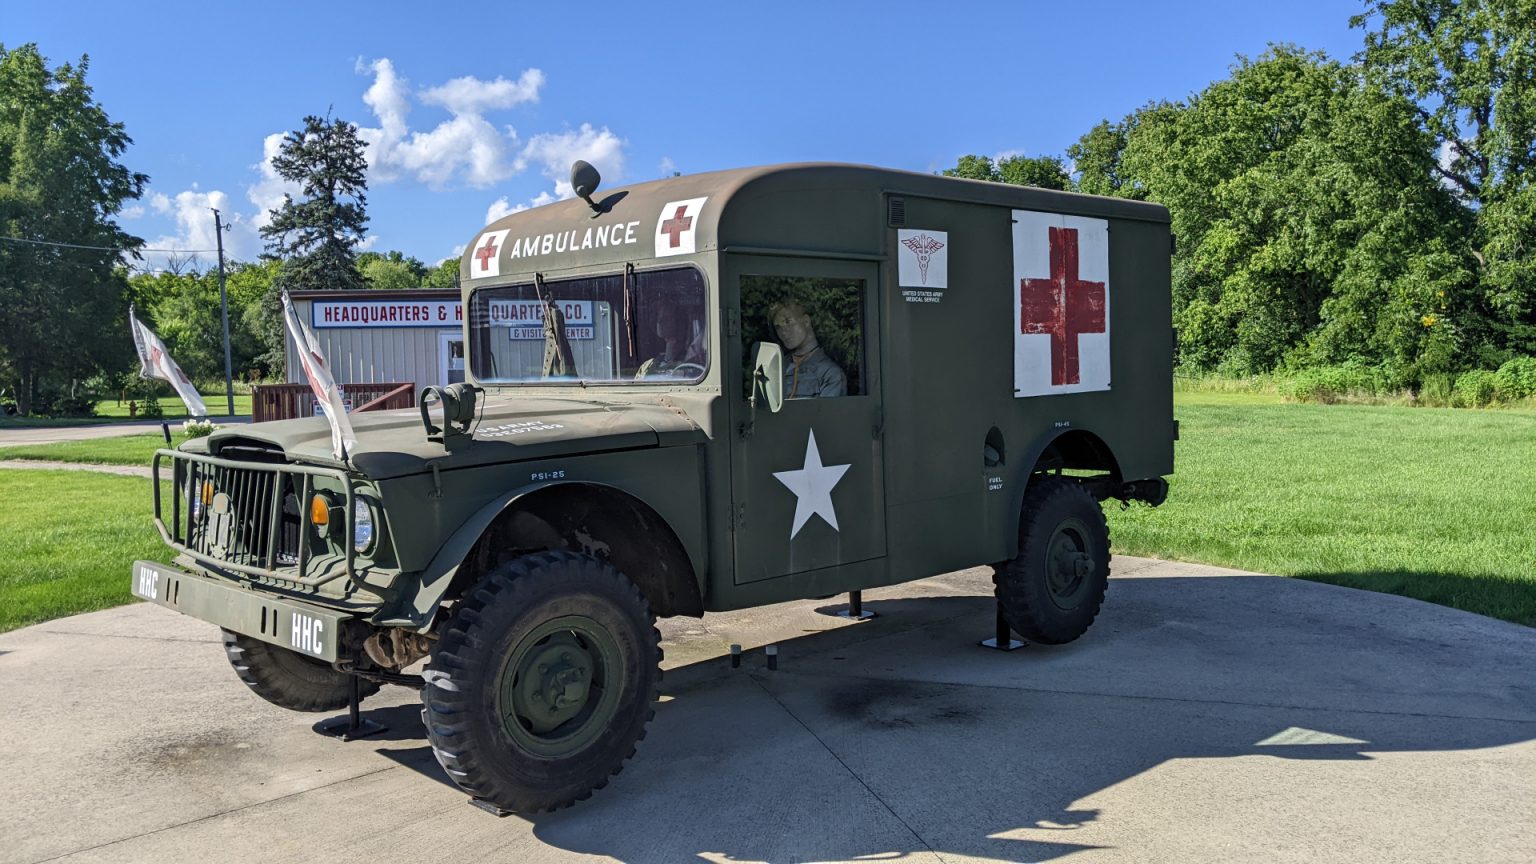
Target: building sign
{"x":441,"y":314}
{"x":526,"y":318}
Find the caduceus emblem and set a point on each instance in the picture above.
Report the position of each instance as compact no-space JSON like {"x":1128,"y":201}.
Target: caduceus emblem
{"x":923,"y":247}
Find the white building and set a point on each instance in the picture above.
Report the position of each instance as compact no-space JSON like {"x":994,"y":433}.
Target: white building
{"x":380,"y":337}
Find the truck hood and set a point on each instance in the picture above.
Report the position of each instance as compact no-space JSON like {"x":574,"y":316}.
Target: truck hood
{"x":510,"y":429}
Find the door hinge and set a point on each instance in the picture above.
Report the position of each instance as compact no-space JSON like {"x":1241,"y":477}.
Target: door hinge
{"x":878,"y":427}
{"x":738,"y":516}
{"x":732,"y":322}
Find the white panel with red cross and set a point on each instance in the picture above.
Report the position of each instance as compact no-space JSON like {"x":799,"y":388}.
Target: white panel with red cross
{"x":485,"y":259}
{"x":676,"y":227}
{"x":1060,"y":304}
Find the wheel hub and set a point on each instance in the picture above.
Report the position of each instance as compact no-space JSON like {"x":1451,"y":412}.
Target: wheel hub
{"x":560,"y":686}
{"x":554,"y":680}
{"x":1068,"y":565}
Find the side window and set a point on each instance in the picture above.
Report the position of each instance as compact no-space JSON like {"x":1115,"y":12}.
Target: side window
{"x":818,"y":321}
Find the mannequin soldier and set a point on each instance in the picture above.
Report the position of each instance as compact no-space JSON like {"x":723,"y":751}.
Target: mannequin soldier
{"x":808,"y":371}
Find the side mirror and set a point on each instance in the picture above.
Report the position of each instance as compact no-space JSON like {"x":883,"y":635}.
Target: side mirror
{"x":584,"y":180}
{"x":768,"y":376}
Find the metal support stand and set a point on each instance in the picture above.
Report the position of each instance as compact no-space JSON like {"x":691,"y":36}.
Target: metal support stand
{"x":855,"y":610}
{"x":773,"y":657}
{"x":482,"y":804}
{"x":1004,"y":640}
{"x":353,"y":726}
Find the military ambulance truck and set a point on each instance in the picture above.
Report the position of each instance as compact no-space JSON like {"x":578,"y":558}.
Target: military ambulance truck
{"x":699,"y":394}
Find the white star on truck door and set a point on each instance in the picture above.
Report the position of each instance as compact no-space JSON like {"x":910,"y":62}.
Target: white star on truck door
{"x":812,"y":486}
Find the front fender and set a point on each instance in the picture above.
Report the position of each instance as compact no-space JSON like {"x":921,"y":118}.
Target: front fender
{"x":416,"y":611}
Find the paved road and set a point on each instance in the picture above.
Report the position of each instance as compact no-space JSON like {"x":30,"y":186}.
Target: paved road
{"x":11,"y":436}
{"x":1208,"y":716}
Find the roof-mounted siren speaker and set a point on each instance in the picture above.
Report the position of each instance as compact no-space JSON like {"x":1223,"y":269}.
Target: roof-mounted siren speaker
{"x":584,"y":179}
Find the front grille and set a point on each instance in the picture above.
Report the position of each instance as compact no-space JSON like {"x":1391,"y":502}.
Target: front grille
{"x":231,"y":512}
{"x":249,"y":517}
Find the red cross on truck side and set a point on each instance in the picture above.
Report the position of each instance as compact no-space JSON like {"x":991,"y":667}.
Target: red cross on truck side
{"x":1062,"y":306}
{"x":485,"y":253}
{"x":675,"y":226}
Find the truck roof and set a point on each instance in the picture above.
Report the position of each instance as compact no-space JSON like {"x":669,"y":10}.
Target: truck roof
{"x":820,"y":207}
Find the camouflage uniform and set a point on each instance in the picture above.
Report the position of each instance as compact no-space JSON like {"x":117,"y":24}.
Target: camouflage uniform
{"x":813,"y":375}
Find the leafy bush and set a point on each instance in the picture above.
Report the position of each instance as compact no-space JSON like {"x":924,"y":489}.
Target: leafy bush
{"x":150,"y":408}
{"x":1516,"y":379}
{"x":1329,"y":384}
{"x":1437,"y":390}
{"x":1475,"y":389}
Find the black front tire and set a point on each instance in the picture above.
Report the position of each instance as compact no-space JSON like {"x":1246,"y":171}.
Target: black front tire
{"x":1052,"y":591}
{"x":288,"y":679}
{"x":486,"y":672}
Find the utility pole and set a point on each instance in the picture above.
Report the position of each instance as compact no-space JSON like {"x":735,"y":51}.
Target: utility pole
{"x":229,"y":373}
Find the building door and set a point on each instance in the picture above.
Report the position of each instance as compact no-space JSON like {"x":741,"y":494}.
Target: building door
{"x":808,"y":481}
{"x":451,"y":353}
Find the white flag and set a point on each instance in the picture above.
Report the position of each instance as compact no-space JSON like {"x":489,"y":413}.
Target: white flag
{"x":327,"y":394}
{"x":156,"y":362}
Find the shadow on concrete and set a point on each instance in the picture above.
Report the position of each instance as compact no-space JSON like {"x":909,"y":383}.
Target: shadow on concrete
{"x":899,"y":736}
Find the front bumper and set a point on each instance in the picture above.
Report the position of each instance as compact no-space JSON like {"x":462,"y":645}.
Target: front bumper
{"x":310,"y":630}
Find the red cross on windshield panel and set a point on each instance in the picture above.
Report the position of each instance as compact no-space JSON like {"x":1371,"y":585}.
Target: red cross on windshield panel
{"x":486,"y":253}
{"x":1062,"y":306}
{"x":675,"y":226}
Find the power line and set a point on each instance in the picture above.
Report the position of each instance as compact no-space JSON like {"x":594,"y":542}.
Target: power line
{"x":102,"y":248}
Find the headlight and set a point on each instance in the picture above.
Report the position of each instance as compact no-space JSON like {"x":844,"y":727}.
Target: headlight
{"x":362,"y":525}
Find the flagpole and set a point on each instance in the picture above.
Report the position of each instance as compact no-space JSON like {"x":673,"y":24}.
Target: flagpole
{"x":229,"y":378}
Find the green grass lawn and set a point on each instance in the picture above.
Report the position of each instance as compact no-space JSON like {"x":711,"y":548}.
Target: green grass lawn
{"x":118,"y":450}
{"x":67,"y":541}
{"x":171,"y":405}
{"x":1436,"y":504}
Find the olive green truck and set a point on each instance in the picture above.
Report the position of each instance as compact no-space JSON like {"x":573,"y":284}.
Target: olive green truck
{"x":698,"y":394}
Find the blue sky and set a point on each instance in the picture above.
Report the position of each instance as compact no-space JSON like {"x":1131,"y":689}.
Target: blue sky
{"x":479,"y":109}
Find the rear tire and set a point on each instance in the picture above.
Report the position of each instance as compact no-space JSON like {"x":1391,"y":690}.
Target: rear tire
{"x":1052,"y":591}
{"x":288,"y":679}
{"x":543,"y":681}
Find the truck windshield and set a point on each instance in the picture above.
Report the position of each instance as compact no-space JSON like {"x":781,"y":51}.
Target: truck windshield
{"x":646,"y":327}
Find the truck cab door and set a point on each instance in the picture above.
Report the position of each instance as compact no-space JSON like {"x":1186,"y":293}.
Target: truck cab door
{"x":808,"y":480}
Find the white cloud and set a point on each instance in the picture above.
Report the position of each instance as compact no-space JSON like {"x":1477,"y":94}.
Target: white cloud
{"x":667,"y":167}
{"x":465,"y":147}
{"x":470,"y":95}
{"x":554,"y":152}
{"x":192,"y":211}
{"x":501,"y":208}
{"x":267,"y":193}
{"x":132,"y":211}
{"x":1005,"y":154}
{"x":367,"y":243}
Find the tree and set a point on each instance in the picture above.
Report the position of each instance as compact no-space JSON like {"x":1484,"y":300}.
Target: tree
{"x":1046,"y":172}
{"x":62,"y":309}
{"x":444,"y":275}
{"x":1311,"y":227}
{"x":316,"y":237}
{"x":391,"y":271}
{"x":183,"y":308}
{"x":1470,"y":69}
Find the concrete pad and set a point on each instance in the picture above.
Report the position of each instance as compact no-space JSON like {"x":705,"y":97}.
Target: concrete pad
{"x":1208,"y":715}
